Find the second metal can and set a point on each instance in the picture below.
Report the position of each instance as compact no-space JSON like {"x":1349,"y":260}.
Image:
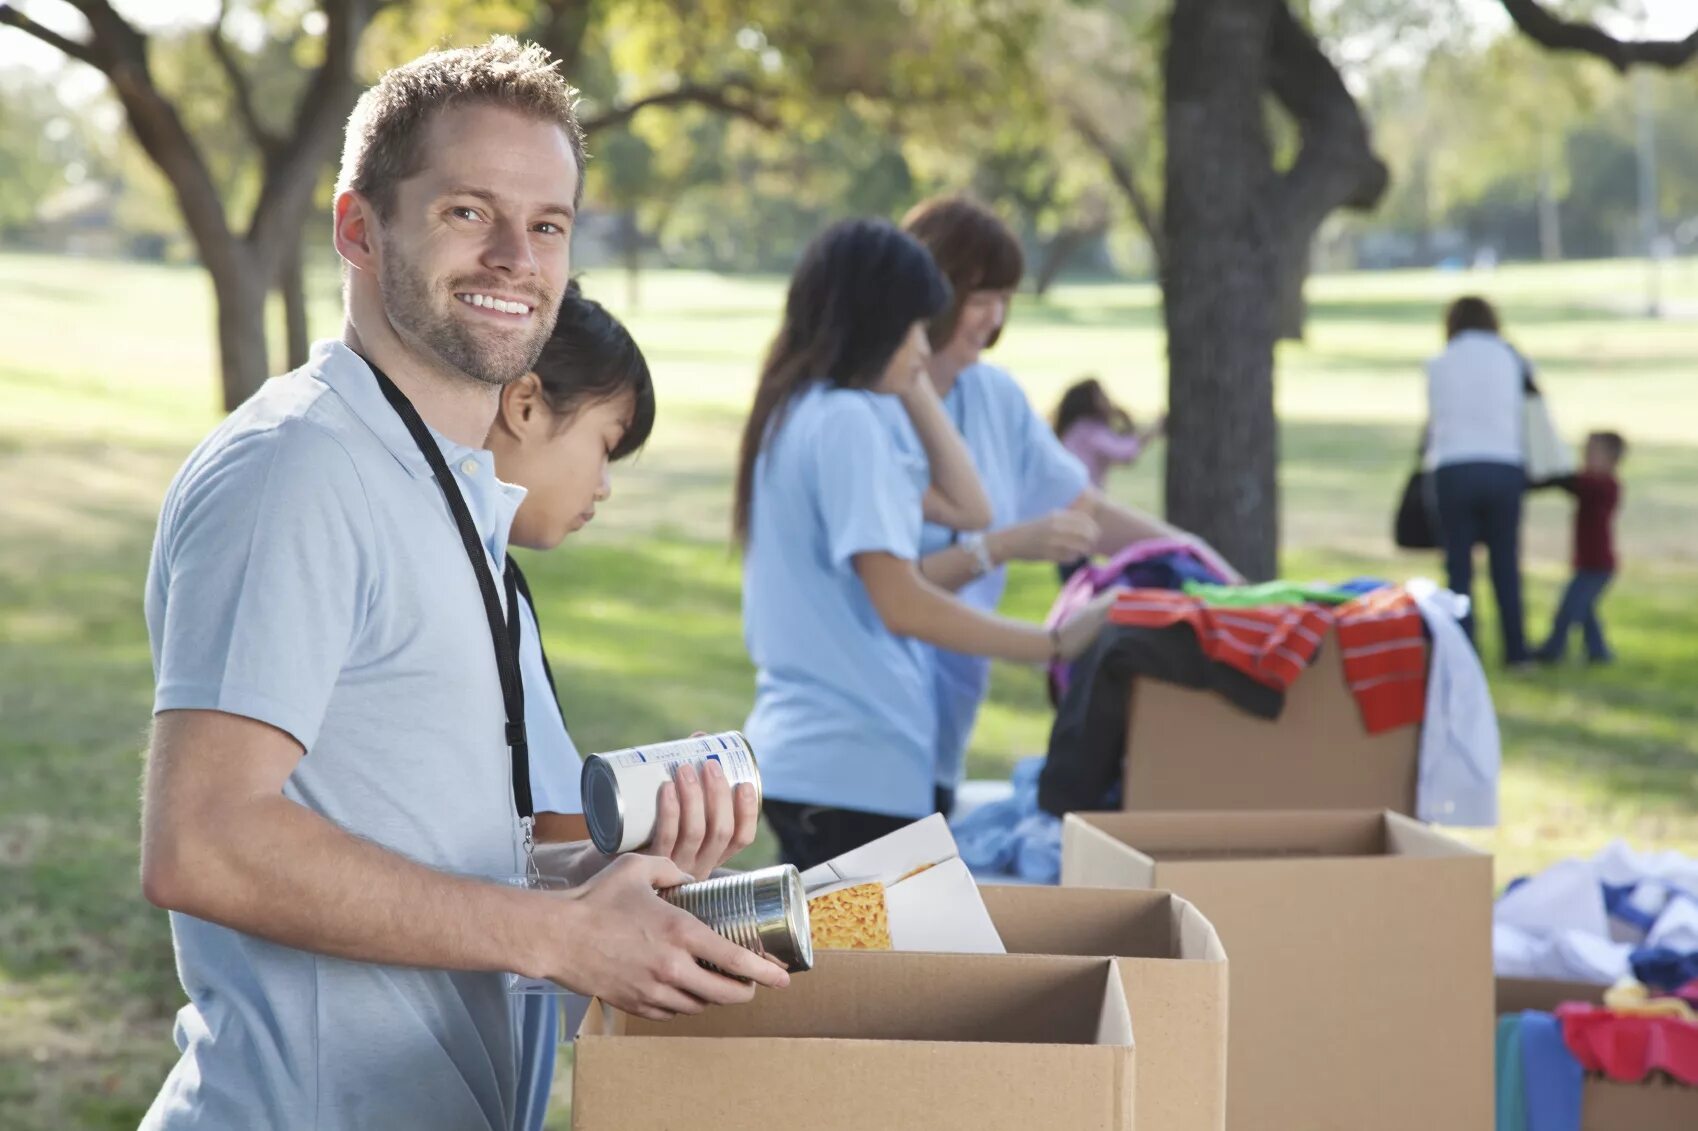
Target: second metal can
{"x":621,"y":788}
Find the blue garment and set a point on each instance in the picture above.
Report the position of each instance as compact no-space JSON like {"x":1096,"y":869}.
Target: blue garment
{"x":1511,"y":1094}
{"x":1481,"y":502}
{"x":539,"y":1039}
{"x":1580,"y":606}
{"x":307,"y":574}
{"x":1662,"y":968}
{"x":1551,"y":1078}
{"x":1013,"y":837}
{"x":556,"y":765}
{"x":1026,"y":474}
{"x":555,"y":773}
{"x":843,"y":713}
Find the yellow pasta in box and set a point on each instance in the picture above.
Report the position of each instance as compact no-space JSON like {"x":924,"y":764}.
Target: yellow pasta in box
{"x":854,"y":918}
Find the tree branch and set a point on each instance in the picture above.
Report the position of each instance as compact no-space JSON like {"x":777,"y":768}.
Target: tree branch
{"x":83,"y":52}
{"x":239,"y":85}
{"x":1559,"y":34}
{"x":1336,"y":165}
{"x":293,"y":169}
{"x":721,"y":97}
{"x":1148,"y":217}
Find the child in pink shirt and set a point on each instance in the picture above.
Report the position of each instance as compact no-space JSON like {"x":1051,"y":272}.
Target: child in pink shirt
{"x":1098,"y":431}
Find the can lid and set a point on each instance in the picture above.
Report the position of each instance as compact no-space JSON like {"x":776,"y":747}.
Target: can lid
{"x":782,"y":917}
{"x":604,"y":808}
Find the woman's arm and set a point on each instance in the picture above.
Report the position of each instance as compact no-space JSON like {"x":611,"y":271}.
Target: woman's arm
{"x":909,"y":605}
{"x":956,"y":498}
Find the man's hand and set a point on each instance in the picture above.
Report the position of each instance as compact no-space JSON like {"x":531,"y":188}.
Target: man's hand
{"x":616,"y":939}
{"x":700,"y":823}
{"x":1059,"y":536}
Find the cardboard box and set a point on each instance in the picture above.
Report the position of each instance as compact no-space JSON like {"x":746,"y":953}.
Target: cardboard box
{"x":1193,"y":750}
{"x":1361,"y":971}
{"x":1174,"y":971}
{"x":1605,"y":1105}
{"x":876,"y":1042}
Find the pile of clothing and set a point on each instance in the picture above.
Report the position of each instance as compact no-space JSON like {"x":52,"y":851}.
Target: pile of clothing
{"x":1405,"y":657}
{"x":1010,"y":837}
{"x":1543,"y":1058}
{"x":1621,"y":914}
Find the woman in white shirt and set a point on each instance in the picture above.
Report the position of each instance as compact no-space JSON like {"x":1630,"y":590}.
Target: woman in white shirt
{"x":1476,"y":391}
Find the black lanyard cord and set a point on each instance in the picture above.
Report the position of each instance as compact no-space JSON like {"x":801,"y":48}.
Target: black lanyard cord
{"x":503,"y":633}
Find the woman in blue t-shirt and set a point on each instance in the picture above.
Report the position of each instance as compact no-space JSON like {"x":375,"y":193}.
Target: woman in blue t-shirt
{"x":846,"y":454}
{"x":1044,"y":507}
{"x":588,"y":403}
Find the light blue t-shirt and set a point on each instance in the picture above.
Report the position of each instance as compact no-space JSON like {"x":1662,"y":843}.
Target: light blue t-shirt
{"x":556,"y":765}
{"x":1026,"y":473}
{"x":307,"y":574}
{"x":843,"y":715}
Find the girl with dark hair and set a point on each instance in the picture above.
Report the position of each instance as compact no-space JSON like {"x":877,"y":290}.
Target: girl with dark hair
{"x":1044,"y":505}
{"x":1098,"y":431}
{"x":847,"y":451}
{"x":587,"y":404}
{"x":1476,"y":392}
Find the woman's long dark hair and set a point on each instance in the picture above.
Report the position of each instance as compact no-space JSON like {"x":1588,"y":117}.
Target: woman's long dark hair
{"x":1083,"y":400}
{"x":856,"y":294}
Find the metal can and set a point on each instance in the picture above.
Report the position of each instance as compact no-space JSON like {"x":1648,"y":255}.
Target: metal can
{"x":621,"y":789}
{"x":765,"y":911}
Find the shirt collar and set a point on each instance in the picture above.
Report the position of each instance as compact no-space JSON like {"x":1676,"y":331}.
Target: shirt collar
{"x":492,"y":502}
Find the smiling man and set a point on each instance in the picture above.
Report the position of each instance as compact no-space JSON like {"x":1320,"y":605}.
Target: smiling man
{"x":336,"y":783}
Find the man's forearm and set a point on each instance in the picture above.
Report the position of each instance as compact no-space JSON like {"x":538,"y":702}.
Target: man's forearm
{"x":281,"y":872}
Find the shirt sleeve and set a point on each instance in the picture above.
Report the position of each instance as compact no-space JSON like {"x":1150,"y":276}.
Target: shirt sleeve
{"x":266,"y":570}
{"x":1051,"y":477}
{"x":869,"y":489}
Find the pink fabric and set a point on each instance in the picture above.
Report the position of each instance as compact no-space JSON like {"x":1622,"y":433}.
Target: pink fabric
{"x":1100,"y":447}
{"x":1628,"y":1048}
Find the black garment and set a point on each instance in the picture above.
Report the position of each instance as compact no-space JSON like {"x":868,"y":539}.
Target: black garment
{"x":1481,"y":502}
{"x":1088,"y":741}
{"x":812,"y":834}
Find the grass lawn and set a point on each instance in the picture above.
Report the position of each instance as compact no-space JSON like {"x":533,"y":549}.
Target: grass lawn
{"x":107,"y":378}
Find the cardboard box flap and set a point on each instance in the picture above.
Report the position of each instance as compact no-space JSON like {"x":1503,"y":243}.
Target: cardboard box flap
{"x":1228,"y":835}
{"x":1088,"y":921}
{"x":858,"y":995}
{"x":1406,"y":836}
{"x":1198,"y":938}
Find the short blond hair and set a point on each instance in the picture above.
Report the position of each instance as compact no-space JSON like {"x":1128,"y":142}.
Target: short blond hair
{"x":384,"y":142}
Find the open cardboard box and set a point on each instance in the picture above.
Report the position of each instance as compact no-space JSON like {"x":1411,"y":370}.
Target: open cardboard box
{"x":1193,"y":750}
{"x":876,"y":1042}
{"x":1361,"y":975}
{"x":1174,"y":972}
{"x":1606,"y":1105}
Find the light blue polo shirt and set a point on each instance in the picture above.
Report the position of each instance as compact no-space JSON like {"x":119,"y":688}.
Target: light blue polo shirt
{"x":843,"y":714}
{"x":1027,"y":474}
{"x":307,"y":573}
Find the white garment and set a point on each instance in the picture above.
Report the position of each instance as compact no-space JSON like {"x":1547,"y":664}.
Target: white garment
{"x":1474,"y":402}
{"x":1461,"y":751}
{"x":1555,"y":924}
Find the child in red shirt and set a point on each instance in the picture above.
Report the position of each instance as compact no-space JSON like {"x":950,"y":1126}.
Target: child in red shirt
{"x":1597,"y":493}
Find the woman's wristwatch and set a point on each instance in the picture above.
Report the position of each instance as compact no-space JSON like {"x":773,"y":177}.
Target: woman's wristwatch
{"x":974,"y":543}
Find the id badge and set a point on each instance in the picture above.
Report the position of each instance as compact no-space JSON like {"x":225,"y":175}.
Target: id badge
{"x":518,"y":983}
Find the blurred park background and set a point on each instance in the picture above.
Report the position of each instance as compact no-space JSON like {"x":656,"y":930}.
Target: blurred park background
{"x":165,"y":172}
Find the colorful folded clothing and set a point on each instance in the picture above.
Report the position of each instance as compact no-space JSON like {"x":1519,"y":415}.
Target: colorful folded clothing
{"x":1629,"y":1048}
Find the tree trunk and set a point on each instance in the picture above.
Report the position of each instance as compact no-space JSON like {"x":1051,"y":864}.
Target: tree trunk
{"x":1219,"y":279}
{"x":1056,"y":254}
{"x":633,"y":248}
{"x":241,"y":332}
{"x":1291,"y":273}
{"x":291,"y":281}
